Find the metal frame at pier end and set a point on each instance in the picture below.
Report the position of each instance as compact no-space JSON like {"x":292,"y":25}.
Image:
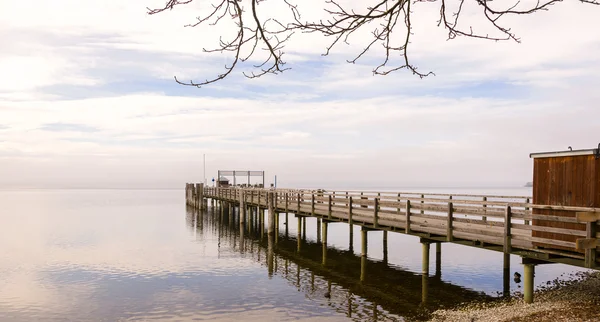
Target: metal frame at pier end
{"x":244,"y":173}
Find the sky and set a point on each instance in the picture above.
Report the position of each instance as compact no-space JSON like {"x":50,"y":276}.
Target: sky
{"x":88,"y":100}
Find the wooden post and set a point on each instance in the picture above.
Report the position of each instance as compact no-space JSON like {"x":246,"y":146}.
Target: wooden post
{"x":363,"y":254}
{"x":362,"y":197}
{"x":449,"y":236}
{"x":303,"y":228}
{"x":376,"y":213}
{"x":261,"y":222}
{"x":507,"y":224}
{"x":438,"y":260}
{"x":271,"y":203}
{"x":201,"y":196}
{"x":318,"y":230}
{"x":484,"y":218}
{"x":270,"y":249}
{"x":590,"y":252}
{"x":242,"y":208}
{"x":506,"y":275}
{"x":425,"y":266}
{"x":299,"y":239}
{"x":276,"y":225}
{"x":425,"y":272}
{"x":529,"y":271}
{"x":298,"y":199}
{"x":350,"y":221}
{"x":287,"y":230}
{"x":422,"y":204}
{"x":329,"y":212}
{"x":324,"y":239}
{"x":385,"y":246}
{"x":312,"y":207}
{"x":526,"y":209}
{"x":424,"y":288}
{"x":407,"y":227}
{"x":230,"y":215}
{"x":286,"y":205}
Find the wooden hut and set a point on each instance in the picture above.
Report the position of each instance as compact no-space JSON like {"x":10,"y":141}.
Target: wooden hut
{"x":564,"y":178}
{"x":223,"y":182}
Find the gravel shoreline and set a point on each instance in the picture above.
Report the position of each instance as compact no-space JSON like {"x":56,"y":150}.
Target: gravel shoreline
{"x":576,"y":298}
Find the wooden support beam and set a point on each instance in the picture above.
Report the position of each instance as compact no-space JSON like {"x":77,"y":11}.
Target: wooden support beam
{"x":449,"y":236}
{"x":586,"y":243}
{"x":506,"y":275}
{"x":534,"y":261}
{"x":271,"y":202}
{"x":376,"y":213}
{"x":526,"y":210}
{"x":324,"y":240}
{"x":407,"y":227}
{"x":425,"y":259}
{"x":590,"y":253}
{"x":350,"y":221}
{"x":587,"y":216}
{"x":329,"y":213}
{"x":484,"y":218}
{"x":529,"y":272}
{"x":507,"y":233}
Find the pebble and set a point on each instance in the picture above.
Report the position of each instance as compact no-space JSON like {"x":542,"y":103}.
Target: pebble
{"x":574,"y":298}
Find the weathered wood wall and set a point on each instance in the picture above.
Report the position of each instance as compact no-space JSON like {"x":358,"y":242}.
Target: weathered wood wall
{"x":564,"y":181}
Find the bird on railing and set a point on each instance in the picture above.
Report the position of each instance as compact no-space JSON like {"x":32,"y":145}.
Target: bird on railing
{"x":570,"y":148}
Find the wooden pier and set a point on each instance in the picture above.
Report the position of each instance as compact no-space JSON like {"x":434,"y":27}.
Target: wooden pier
{"x":387,"y":287}
{"x":499,"y":223}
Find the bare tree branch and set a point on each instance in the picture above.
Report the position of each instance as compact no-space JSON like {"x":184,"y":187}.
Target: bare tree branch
{"x":269,"y":34}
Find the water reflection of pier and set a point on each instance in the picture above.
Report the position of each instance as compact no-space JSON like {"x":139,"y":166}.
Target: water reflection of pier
{"x":359,"y":287}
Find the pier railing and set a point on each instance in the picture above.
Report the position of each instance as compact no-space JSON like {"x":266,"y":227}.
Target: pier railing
{"x":511,"y":224}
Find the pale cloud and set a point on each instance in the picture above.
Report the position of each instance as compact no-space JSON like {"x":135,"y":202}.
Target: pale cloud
{"x":91,"y":102}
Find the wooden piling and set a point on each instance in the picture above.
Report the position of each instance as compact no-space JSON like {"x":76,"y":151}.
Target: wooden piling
{"x":363,"y":254}
{"x":318,"y":230}
{"x":450,"y":218}
{"x":507,"y":227}
{"x":385,"y":246}
{"x":425,"y":266}
{"x":424,"y":288}
{"x":299,"y":239}
{"x":376,"y":212}
{"x":270,"y":252}
{"x":438,"y":260}
{"x":324,"y":244}
{"x":242,"y":209}
{"x":287,"y":230}
{"x":407,"y":226}
{"x":529,"y":271}
{"x":270,"y":200}
{"x":484,"y":217}
{"x":303,"y":228}
{"x":506,"y":275}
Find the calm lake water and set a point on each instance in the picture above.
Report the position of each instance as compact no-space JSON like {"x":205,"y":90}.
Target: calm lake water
{"x":121,"y":255}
